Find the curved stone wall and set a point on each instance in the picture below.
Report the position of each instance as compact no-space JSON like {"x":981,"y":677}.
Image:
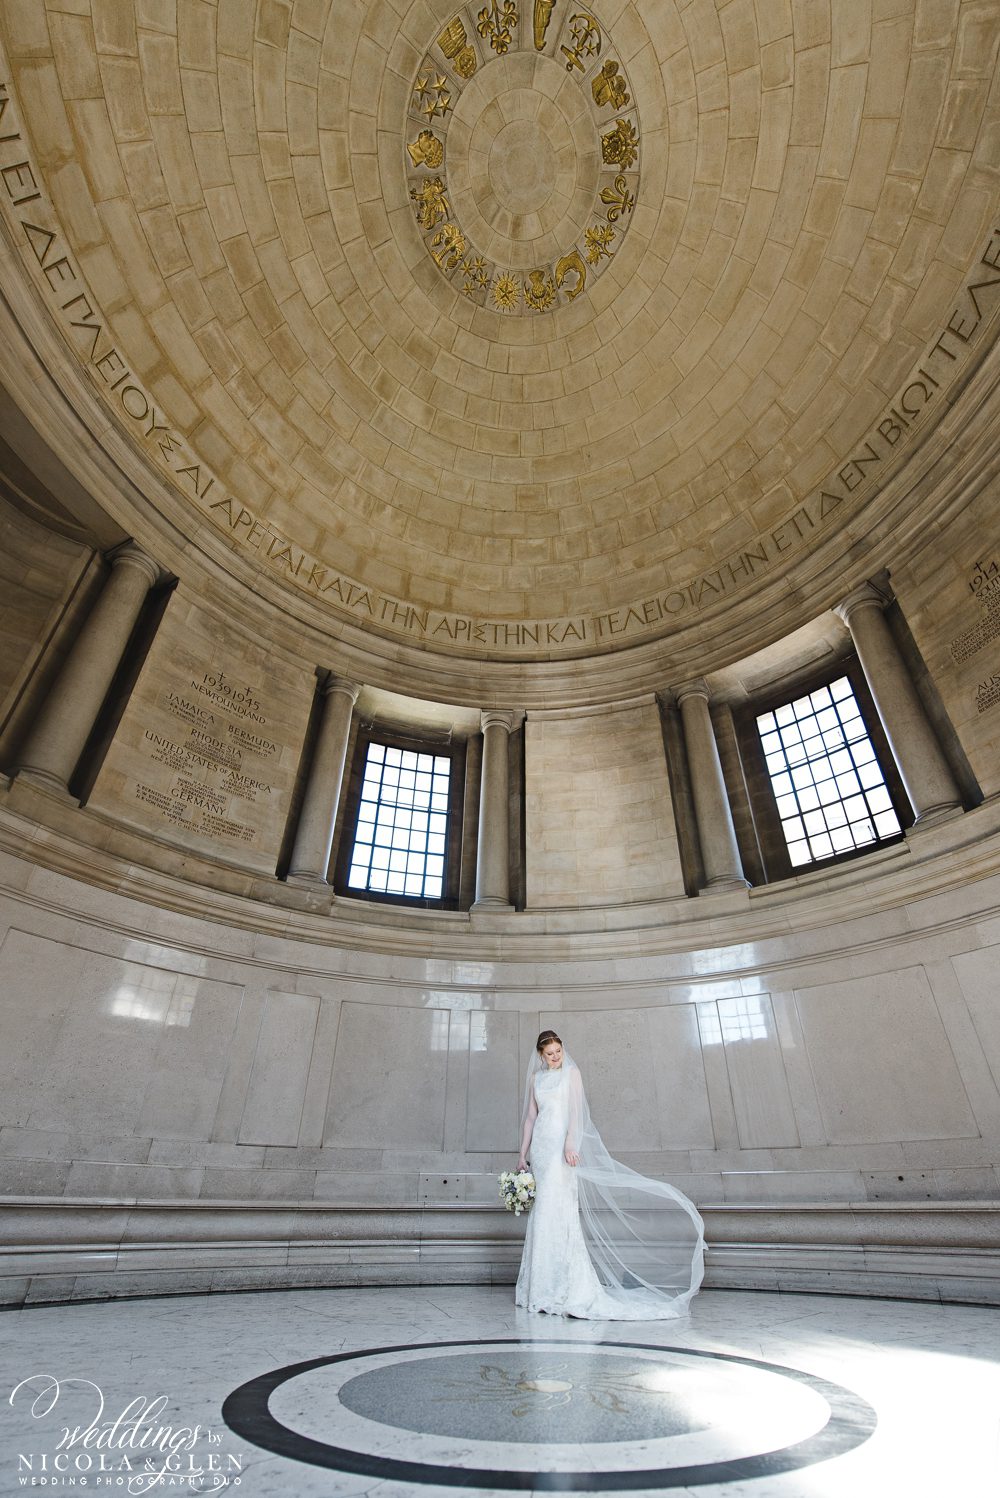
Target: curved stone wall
{"x":557,"y":386}
{"x":193,"y":1041}
{"x":811,"y":1065}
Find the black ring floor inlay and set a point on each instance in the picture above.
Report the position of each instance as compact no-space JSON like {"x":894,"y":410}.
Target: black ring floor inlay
{"x":851,"y":1422}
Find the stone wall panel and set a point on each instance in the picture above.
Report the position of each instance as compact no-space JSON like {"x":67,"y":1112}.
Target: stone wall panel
{"x":206,"y":753}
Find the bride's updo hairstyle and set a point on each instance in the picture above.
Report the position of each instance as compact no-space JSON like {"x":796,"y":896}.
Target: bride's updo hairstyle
{"x":546,"y":1038}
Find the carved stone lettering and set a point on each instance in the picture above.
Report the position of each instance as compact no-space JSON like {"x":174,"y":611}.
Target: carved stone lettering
{"x":988,"y":693}
{"x":209,"y":741}
{"x":34,"y":226}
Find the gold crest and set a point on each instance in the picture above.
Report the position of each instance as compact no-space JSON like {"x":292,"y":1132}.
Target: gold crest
{"x":571,"y":264}
{"x":454,"y":43}
{"x":506,"y":292}
{"x":586,"y":38}
{"x":598,"y":242}
{"x":608,"y":88}
{"x":496,"y":24}
{"x":620,"y":146}
{"x":539,"y":290}
{"x":431,"y":203}
{"x":426,"y":150}
{"x":541,"y":18}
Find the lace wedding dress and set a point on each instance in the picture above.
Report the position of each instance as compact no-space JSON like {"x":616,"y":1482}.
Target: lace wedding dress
{"x":603,"y":1243}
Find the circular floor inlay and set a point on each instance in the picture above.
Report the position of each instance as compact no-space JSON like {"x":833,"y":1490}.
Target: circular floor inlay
{"x":525,"y":1395}
{"x":552,"y":1414}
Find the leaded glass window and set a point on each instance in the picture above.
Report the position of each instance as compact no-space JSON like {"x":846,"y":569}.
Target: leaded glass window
{"x":828,"y":786}
{"x":402,"y":824}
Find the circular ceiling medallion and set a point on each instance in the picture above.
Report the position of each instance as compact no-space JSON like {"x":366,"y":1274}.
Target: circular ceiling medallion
{"x":522,"y":153}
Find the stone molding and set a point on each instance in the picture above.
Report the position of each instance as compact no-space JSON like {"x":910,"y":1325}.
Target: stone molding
{"x":509,"y":718}
{"x":698,"y":687}
{"x":592,"y":709}
{"x":86,"y":848}
{"x":57,"y":1250}
{"x":334,"y":684}
{"x":865,"y":596}
{"x":922,"y":488}
{"x":131,"y":555}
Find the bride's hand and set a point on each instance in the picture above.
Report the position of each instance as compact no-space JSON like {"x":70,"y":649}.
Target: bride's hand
{"x":571,"y":1157}
{"x":522,"y":1165}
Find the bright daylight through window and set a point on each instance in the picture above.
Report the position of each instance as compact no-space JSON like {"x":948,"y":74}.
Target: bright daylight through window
{"x":399,"y":845}
{"x":830,"y":791}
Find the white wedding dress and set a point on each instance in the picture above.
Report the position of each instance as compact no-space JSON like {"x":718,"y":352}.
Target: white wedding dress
{"x":646,"y":1236}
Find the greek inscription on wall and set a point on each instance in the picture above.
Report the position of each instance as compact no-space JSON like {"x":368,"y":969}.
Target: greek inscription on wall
{"x":36,"y":228}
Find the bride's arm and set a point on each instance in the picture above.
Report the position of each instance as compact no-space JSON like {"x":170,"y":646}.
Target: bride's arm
{"x":571,"y":1153}
{"x":529,"y":1124}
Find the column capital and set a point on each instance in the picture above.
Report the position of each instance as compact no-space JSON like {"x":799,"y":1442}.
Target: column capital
{"x":334,"y":683}
{"x":131,"y":555}
{"x":697,"y":687}
{"x":865,"y":596}
{"x":509,"y":718}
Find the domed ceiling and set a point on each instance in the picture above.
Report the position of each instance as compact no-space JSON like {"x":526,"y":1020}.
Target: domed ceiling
{"x":517,"y":328}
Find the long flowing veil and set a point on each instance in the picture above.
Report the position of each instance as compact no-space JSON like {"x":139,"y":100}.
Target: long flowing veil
{"x":644,"y":1237}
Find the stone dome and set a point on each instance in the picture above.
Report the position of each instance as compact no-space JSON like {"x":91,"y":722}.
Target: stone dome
{"x":512,"y":333}
{"x":498,"y":530}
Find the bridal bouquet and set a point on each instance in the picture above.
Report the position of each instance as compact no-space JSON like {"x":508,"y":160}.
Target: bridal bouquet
{"x":517,"y":1190}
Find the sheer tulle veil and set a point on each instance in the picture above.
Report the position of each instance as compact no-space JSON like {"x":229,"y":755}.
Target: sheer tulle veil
{"x":642,"y":1234}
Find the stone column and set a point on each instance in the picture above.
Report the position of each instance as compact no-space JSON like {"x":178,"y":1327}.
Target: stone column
{"x":56,"y":741}
{"x":318,"y":817}
{"x":493,"y":851}
{"x":716,"y":833}
{"x":922,"y":766}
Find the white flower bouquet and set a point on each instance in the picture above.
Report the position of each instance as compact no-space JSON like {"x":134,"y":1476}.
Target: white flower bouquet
{"x":517,"y":1190}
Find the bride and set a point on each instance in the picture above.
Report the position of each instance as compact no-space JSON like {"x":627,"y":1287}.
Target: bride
{"x":603,"y":1242}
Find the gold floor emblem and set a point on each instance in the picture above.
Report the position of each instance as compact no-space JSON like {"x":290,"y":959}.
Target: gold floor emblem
{"x":477,"y":276}
{"x":448,"y":246}
{"x":433,"y":96}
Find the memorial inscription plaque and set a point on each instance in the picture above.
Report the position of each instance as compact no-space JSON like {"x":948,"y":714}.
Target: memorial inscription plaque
{"x":207,"y":748}
{"x":952,"y":606}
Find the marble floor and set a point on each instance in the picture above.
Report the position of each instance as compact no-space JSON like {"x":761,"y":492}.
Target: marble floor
{"x":400,"y":1393}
